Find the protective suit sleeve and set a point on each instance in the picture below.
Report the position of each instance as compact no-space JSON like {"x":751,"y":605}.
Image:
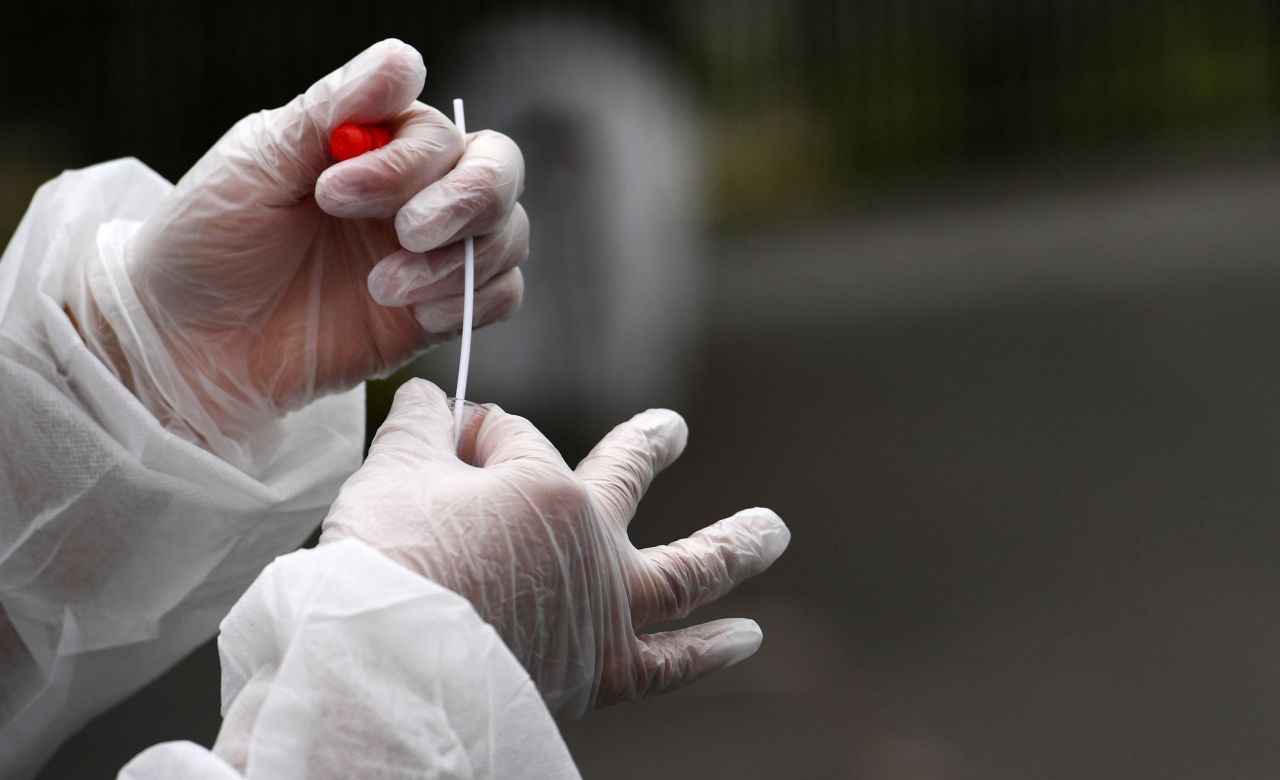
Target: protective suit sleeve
{"x":121,"y":544}
{"x":177,"y":761}
{"x":340,"y":663}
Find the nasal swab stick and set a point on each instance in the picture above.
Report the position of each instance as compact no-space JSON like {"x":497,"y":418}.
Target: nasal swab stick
{"x":468,"y":304}
{"x":350,"y":140}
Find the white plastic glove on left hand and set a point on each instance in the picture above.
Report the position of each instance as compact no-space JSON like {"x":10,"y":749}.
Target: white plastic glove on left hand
{"x":541,"y":550}
{"x":271,"y":276}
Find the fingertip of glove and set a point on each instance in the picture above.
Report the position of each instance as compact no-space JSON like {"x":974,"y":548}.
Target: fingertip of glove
{"x":384,"y":282}
{"x":378,"y":285}
{"x":666,"y":431}
{"x":418,"y":389}
{"x":768,"y":528}
{"x":742,"y":638}
{"x":395,"y":49}
{"x":407,"y":231}
{"x":326,"y":193}
{"x":388,"y":44}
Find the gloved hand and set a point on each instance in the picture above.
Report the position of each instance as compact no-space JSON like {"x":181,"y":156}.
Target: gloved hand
{"x":542,"y":552}
{"x":271,"y":275}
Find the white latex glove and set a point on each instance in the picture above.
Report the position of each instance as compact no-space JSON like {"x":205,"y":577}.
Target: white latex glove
{"x":542,"y":552}
{"x":271,"y":275}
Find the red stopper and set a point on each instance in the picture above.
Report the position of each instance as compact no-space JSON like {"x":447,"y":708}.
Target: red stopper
{"x":352,"y":140}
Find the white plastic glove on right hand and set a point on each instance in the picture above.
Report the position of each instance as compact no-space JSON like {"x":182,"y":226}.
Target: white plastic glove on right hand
{"x":541,"y":551}
{"x":271,"y":276}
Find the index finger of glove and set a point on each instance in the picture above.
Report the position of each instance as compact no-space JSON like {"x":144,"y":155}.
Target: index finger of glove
{"x":420,"y":422}
{"x":425,"y":146}
{"x":621,"y":467}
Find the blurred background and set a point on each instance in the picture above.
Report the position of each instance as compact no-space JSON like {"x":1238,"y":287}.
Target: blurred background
{"x":981,"y":295}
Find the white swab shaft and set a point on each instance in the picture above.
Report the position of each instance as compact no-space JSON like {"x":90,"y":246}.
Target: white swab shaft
{"x":468,"y":305}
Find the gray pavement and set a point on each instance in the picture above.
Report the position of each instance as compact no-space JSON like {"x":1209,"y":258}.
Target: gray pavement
{"x":1028,"y":446}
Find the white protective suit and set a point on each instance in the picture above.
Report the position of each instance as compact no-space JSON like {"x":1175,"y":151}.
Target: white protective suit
{"x":340,"y":663}
{"x":124,"y":545}
{"x":181,"y":368}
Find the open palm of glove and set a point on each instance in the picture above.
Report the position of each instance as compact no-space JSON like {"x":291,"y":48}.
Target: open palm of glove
{"x":541,"y":550}
{"x":272,"y":275}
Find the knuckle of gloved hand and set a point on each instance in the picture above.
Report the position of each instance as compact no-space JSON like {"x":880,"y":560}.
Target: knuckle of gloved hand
{"x":500,"y":251}
{"x":507,"y":158}
{"x":665,"y":665}
{"x":620,"y":496}
{"x":392,"y":431}
{"x":650,"y":674}
{"x":518,"y":251}
{"x":444,"y":136}
{"x":435,"y":150}
{"x":506,"y":310}
{"x":265,"y":141}
{"x":635,"y":451}
{"x":449,"y":213}
{"x":483,"y":185}
{"x":518,"y":232}
{"x":247,"y":125}
{"x":503,"y":249}
{"x":679,"y":582}
{"x":469,"y":203}
{"x":511,"y":295}
{"x":563,"y":494}
{"x":413,"y":389}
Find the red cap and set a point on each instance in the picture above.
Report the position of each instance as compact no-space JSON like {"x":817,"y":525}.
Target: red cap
{"x":352,"y":140}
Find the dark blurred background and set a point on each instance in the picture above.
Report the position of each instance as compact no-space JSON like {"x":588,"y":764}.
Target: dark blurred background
{"x":982,"y":296}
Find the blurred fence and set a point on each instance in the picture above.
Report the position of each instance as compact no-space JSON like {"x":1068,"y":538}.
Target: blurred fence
{"x":846,"y":91}
{"x":806,"y":100}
